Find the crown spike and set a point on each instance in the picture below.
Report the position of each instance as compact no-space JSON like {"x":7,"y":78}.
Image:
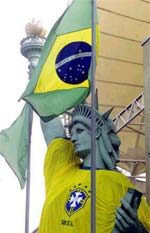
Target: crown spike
{"x":107,"y":114}
{"x":96,"y":99}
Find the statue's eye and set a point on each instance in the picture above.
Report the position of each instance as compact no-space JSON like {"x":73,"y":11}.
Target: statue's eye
{"x":79,"y":130}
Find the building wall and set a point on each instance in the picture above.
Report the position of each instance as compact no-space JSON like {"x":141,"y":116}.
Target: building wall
{"x":124,"y":24}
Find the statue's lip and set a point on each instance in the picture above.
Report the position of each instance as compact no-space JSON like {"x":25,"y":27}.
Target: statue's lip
{"x":76,"y":145}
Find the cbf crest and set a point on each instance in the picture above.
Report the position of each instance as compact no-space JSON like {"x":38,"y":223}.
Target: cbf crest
{"x":76,"y":200}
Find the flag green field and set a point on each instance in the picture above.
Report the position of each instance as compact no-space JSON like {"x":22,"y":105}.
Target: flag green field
{"x":62,"y":77}
{"x":14,"y":145}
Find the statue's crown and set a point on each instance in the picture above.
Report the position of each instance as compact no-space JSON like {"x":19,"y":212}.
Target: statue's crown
{"x":83,"y":113}
{"x":86,"y":112}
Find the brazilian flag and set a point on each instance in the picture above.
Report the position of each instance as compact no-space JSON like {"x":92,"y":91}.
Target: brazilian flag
{"x":14,"y":143}
{"x":61,"y":79}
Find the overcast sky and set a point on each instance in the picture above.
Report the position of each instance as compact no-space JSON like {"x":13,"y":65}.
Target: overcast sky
{"x":13,"y":80}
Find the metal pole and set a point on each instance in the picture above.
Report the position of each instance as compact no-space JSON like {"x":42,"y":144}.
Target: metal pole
{"x":31,"y":48}
{"x":28,"y":171}
{"x":93,"y":157}
{"x":146,"y":53}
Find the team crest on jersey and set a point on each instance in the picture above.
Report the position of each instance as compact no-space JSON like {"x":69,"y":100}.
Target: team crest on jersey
{"x":76,"y":200}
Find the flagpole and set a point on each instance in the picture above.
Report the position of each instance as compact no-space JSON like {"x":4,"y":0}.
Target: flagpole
{"x":93,"y":156}
{"x":28,"y":171}
{"x":31,"y":48}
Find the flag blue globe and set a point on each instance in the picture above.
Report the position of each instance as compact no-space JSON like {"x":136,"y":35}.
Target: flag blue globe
{"x":73,"y":62}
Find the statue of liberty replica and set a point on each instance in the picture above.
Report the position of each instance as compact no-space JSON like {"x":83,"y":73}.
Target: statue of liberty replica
{"x":67,"y":169}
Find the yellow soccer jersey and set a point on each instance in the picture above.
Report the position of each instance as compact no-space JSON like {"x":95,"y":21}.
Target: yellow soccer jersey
{"x":68,"y":194}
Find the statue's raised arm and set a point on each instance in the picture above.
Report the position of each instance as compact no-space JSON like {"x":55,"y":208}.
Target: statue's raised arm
{"x":53,"y":129}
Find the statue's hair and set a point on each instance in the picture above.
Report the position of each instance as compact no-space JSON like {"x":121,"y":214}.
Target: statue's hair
{"x":108,"y":140}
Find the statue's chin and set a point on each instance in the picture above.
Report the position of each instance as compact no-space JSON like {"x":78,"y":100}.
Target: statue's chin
{"x":81,"y":154}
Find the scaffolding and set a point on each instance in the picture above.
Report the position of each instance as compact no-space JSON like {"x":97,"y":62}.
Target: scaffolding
{"x":129,"y":113}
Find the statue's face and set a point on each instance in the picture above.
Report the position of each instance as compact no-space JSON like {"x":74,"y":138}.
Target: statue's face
{"x":81,"y":138}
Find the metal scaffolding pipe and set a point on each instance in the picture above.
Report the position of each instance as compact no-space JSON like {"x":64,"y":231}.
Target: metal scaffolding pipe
{"x":132,"y":160}
{"x":146,"y":56}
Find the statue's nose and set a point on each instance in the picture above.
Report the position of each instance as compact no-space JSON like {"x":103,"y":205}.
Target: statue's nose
{"x":73,"y":138}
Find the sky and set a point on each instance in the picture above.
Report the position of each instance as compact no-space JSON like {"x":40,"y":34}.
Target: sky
{"x":13,"y":80}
